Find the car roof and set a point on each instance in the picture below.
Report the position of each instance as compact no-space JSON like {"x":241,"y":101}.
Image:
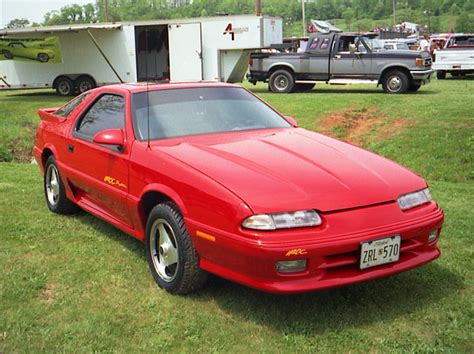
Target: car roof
{"x":153,"y":86}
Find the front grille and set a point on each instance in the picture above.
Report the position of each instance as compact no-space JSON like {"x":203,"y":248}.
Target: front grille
{"x":428,"y":63}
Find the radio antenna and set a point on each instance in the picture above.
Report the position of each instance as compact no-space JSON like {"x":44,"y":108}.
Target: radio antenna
{"x":147,"y":91}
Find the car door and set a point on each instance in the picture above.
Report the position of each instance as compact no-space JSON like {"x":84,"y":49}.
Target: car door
{"x":99,"y":173}
{"x":345,"y":64}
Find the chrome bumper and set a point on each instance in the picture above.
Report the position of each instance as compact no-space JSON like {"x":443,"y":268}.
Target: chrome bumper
{"x":422,"y":75}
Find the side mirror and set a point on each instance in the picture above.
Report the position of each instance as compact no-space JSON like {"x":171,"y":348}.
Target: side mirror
{"x":292,"y":121}
{"x":110,"y":137}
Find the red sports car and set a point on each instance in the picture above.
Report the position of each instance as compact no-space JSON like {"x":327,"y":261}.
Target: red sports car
{"x":214,"y":180}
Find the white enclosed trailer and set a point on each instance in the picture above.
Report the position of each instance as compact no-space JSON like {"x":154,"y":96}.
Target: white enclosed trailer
{"x":197,"y":49}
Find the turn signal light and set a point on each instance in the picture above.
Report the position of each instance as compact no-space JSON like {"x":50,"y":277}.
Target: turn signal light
{"x":292,"y":266}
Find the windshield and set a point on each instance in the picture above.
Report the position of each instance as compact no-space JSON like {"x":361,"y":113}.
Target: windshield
{"x":203,"y":110}
{"x":374,"y":44}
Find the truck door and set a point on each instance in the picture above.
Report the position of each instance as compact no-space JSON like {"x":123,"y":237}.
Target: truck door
{"x":185,"y":52}
{"x":347,"y":65}
{"x":318,"y":51}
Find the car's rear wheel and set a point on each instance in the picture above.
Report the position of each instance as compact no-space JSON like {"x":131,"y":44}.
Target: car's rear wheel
{"x":64,"y":86}
{"x":43,"y":57}
{"x":173,"y":260}
{"x":84,"y":84}
{"x":441,"y":75}
{"x":281,"y":81}
{"x":54,"y":190}
{"x":395,"y":82}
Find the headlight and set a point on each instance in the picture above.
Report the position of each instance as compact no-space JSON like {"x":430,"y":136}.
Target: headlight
{"x":303,"y":218}
{"x":414,"y":199}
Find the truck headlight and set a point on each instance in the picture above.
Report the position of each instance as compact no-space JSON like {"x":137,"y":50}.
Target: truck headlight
{"x":414,"y":199}
{"x":420,"y":62}
{"x":302,"y":218}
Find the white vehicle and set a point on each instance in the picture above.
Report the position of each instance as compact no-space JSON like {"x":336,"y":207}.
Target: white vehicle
{"x":198,"y":49}
{"x":395,"y":45}
{"x":456,"y":58}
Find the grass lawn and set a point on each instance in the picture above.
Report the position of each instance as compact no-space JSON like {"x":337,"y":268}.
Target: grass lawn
{"x":77,"y":284}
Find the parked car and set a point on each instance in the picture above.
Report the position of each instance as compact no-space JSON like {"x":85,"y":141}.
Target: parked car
{"x":341,"y":58}
{"x":456,"y":58}
{"x":212,"y":179}
{"x":17,"y":49}
{"x":395,"y":45}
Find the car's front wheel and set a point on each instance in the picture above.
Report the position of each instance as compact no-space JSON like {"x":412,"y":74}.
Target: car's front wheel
{"x":54,"y":190}
{"x":173,"y":260}
{"x":395,"y":82}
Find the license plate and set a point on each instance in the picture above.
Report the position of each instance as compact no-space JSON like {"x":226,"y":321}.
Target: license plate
{"x":381,"y":251}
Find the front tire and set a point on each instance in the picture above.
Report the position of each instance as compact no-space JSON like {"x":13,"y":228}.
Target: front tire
{"x":54,"y":190}
{"x":281,"y":81}
{"x":395,"y":82}
{"x":441,"y":75}
{"x":172,"y":258}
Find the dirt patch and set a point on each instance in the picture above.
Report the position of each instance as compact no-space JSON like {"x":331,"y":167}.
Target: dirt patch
{"x":48,"y":293}
{"x":20,"y":148}
{"x":360,"y":126}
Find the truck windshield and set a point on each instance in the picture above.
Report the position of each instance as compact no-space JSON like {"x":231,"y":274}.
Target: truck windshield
{"x":204,"y":110}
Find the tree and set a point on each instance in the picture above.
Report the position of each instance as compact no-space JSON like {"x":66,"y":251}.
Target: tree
{"x":463,"y":24}
{"x":348,"y":17}
{"x":17,"y":23}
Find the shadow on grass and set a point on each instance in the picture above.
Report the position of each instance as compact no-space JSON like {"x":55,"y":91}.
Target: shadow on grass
{"x":381,"y":300}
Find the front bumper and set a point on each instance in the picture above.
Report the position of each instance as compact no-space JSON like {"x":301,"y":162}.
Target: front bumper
{"x":422,"y":76}
{"x":332,"y":251}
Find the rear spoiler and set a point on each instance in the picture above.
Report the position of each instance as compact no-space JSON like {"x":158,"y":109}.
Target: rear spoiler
{"x":47,"y":114}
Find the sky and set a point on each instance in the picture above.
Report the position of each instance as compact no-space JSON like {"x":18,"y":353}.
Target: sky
{"x":33,"y":10}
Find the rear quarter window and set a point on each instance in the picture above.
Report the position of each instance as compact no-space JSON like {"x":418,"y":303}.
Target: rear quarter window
{"x":66,"y":110}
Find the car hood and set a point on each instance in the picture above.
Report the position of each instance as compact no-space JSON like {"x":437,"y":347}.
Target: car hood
{"x":294,"y":169}
{"x":402,"y":53}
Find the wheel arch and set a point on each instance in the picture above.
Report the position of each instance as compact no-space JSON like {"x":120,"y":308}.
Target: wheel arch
{"x":401,"y":68}
{"x":281,"y":66}
{"x":155,"y":194}
{"x":48,"y":151}
{"x":89,"y":76}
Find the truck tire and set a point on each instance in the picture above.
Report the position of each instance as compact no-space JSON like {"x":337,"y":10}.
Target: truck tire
{"x":441,"y":75}
{"x":395,"y":82}
{"x":85,"y":83}
{"x":304,"y":87}
{"x":281,"y":81}
{"x":64,"y":86}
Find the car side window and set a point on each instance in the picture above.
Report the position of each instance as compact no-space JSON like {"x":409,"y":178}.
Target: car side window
{"x":314,"y":43}
{"x":324,"y":44}
{"x":108,"y":112}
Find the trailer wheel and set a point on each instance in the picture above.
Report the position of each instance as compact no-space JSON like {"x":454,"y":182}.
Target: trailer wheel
{"x":43,"y":57}
{"x":395,"y":81}
{"x":281,"y":81}
{"x":441,"y":75}
{"x":7,"y":54}
{"x":84,"y":84}
{"x":64,"y":86}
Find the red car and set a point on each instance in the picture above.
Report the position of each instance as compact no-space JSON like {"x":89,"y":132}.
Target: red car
{"x":214,"y":180}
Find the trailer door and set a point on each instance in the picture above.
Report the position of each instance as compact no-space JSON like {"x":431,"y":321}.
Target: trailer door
{"x":185,"y":52}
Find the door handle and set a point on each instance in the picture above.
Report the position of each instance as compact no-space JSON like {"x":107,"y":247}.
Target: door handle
{"x":70,"y":148}
{"x":337,"y":56}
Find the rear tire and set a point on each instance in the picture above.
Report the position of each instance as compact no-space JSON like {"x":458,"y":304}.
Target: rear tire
{"x":395,"y":82}
{"x":441,"y":75}
{"x":84,"y":84}
{"x":54,"y":190}
{"x":281,"y":81}
{"x":64,"y":86}
{"x":172,"y":258}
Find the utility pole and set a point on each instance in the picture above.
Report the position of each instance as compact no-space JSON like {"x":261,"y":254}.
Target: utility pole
{"x":258,"y":7}
{"x":106,"y":10}
{"x":303,"y":18}
{"x":394,"y":12}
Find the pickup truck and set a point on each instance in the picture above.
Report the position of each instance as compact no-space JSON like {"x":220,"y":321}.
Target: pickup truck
{"x":456,"y":57}
{"x":342,"y":58}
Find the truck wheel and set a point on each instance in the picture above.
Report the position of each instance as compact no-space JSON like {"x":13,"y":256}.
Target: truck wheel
{"x":441,"y":75}
{"x":173,"y":260}
{"x":7,"y":54}
{"x":281,"y":81}
{"x":395,"y":82}
{"x":43,"y":57}
{"x":84,"y":84}
{"x":414,"y":87}
{"x":304,"y":87}
{"x":64,"y":86}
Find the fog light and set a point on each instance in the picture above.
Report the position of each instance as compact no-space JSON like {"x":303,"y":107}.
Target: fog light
{"x":432,"y":236}
{"x":291,"y":266}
